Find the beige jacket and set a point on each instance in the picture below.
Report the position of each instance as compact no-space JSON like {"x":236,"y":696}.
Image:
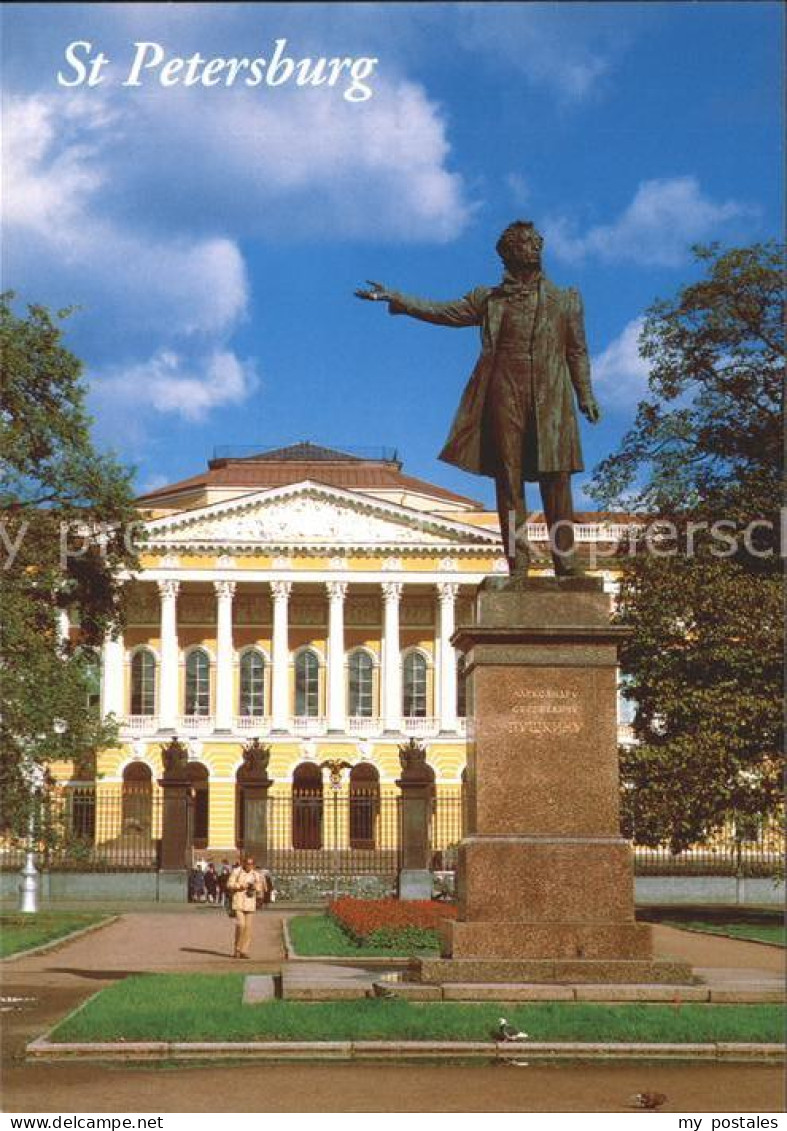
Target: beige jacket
{"x":238,"y":883}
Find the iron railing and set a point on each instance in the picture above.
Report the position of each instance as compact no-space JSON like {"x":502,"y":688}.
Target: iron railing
{"x":94,"y":828}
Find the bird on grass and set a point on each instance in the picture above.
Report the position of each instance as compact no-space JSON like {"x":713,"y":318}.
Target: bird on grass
{"x":506,"y":1032}
{"x":379,"y":990}
{"x":650,"y":1101}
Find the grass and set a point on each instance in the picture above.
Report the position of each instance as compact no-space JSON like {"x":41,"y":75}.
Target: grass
{"x":773,"y":933}
{"x":22,"y":932}
{"x":207,"y":1007}
{"x":757,"y":924}
{"x":314,"y":935}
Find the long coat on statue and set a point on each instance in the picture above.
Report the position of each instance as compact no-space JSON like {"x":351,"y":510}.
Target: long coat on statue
{"x":560,"y":368}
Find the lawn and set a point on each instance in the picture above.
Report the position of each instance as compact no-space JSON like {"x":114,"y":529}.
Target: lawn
{"x":207,"y":1007}
{"x":314,"y":935}
{"x":21,"y":932}
{"x":772,"y":933}
{"x":752,"y":924}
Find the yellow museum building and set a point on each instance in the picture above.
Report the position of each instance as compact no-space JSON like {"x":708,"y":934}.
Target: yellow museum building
{"x":307,"y":597}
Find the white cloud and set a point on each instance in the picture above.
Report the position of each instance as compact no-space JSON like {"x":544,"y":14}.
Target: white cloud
{"x":555,"y":46}
{"x":620,"y":375}
{"x":48,"y":175}
{"x":518,"y":188}
{"x":294,"y":163}
{"x":170,"y":383}
{"x":57,"y":165}
{"x":657,"y":228}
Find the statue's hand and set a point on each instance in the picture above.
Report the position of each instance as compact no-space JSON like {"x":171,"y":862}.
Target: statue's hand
{"x":377,"y":293}
{"x":590,"y":410}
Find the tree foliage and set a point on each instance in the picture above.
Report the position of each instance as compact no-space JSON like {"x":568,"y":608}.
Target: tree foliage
{"x":66,"y":522}
{"x":703,"y":595}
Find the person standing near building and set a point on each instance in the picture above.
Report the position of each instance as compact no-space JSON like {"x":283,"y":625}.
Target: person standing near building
{"x":245,"y":886}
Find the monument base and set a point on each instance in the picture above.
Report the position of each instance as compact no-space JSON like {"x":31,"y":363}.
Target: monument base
{"x":439,"y":971}
{"x":545,"y":881}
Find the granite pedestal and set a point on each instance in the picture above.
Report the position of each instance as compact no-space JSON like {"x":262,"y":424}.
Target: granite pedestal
{"x":545,"y":881}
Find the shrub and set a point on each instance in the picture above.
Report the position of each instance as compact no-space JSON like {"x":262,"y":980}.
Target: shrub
{"x":391,"y":923}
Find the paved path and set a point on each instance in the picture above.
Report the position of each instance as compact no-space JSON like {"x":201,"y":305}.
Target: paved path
{"x":197,"y":939}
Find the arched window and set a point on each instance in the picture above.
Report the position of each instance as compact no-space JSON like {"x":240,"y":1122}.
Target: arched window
{"x":461,"y":686}
{"x":137,"y":800}
{"x":198,"y":777}
{"x":143,"y":683}
{"x":360,"y":672}
{"x":364,"y":805}
{"x":307,"y":684}
{"x":414,"y":686}
{"x":307,"y":806}
{"x":197,"y":683}
{"x":252,"y":683}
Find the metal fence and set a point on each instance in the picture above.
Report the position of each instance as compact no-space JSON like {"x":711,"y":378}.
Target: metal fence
{"x":331,"y":832}
{"x":726,"y":856}
{"x":347,"y":832}
{"x":95,"y":828}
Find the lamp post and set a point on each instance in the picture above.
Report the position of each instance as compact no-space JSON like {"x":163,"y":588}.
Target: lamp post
{"x":28,"y":888}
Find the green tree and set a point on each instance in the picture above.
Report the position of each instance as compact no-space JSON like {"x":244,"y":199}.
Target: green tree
{"x":66,"y":527}
{"x":703,"y":592}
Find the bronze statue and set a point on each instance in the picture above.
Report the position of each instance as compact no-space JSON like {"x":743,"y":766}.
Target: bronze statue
{"x":516,"y":420}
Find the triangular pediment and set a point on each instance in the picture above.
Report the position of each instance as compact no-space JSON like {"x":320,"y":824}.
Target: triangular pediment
{"x":313,"y":515}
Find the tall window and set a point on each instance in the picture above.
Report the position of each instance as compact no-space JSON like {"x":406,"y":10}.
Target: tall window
{"x":307,"y":806}
{"x":307,"y":684}
{"x":137,"y":800}
{"x":143,"y":683}
{"x":360,"y":680}
{"x":414,"y":686}
{"x":364,"y":806}
{"x":198,"y":683}
{"x":252,"y":683}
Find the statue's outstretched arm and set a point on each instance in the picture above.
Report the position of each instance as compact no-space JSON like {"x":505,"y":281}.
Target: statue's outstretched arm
{"x":465,"y":311}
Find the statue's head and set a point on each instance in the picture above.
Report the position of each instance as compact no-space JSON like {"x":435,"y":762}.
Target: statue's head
{"x":520,"y":245}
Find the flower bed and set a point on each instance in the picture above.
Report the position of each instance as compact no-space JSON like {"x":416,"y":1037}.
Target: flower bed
{"x":391,"y":923}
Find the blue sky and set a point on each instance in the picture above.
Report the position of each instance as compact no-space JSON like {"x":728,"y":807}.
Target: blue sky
{"x":212,"y":236}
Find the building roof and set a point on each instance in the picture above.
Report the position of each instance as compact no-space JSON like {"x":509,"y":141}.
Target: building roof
{"x":280,"y":466}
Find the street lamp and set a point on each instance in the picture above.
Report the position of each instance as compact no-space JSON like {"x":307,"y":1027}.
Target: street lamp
{"x":28,"y":888}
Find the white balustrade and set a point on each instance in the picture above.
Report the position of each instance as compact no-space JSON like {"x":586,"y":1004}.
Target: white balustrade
{"x":139,"y":724}
{"x":196,"y":724}
{"x":423,"y":725}
{"x":259,"y":723}
{"x":364,"y":724}
{"x":308,"y":724}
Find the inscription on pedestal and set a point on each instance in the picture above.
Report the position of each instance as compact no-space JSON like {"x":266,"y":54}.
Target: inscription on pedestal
{"x":546,"y":711}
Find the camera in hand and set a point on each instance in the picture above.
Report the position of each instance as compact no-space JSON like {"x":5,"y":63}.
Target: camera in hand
{"x":250,"y":890}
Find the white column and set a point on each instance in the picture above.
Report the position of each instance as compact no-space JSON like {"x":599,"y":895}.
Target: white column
{"x":112,"y":677}
{"x":446,"y":655}
{"x":392,"y":660}
{"x":337,"y":720}
{"x":225,"y":591}
{"x":168,"y":681}
{"x":280,"y":694}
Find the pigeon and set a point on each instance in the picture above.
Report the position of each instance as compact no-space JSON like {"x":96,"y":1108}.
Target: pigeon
{"x":651,"y":1101}
{"x":382,"y":991}
{"x":506,"y":1032}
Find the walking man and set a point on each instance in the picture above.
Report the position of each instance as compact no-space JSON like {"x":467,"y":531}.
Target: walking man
{"x":244,"y":886}
{"x":516,"y":420}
